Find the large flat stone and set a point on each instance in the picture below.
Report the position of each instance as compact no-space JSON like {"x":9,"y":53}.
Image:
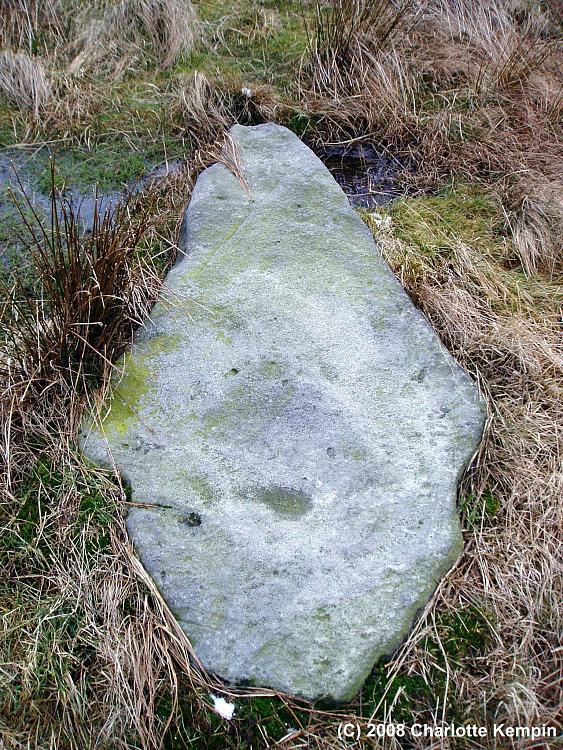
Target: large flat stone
{"x":296,"y":429}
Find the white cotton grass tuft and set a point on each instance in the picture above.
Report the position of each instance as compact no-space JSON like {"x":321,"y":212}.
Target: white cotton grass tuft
{"x":222,"y":707}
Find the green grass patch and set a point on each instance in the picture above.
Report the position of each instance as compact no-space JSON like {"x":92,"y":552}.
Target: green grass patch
{"x":30,"y":526}
{"x":435,"y":224}
{"x":460,"y":637}
{"x":266,"y":717}
{"x":479,"y":511}
{"x":257,"y":722}
{"x":408,"y":694}
{"x":105,"y":167}
{"x":464,"y":634}
{"x":12,"y":125}
{"x":136,"y":116}
{"x":52,"y":651}
{"x":431,"y":228}
{"x":258,"y":43}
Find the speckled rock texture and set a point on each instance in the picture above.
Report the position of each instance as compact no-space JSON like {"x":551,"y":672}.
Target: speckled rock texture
{"x":296,"y":429}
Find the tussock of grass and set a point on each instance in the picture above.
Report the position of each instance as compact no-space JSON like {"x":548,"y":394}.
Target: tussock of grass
{"x":116,"y":37}
{"x":202,"y":110}
{"x":88,"y":290}
{"x":346,"y":38}
{"x":504,"y":50}
{"x":24,"y":82}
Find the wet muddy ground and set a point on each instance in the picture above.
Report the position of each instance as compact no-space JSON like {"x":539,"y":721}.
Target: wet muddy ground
{"x":24,"y":182}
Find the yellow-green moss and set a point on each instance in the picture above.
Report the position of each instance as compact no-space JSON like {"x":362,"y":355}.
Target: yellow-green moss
{"x":135,"y":382}
{"x":126,"y":396}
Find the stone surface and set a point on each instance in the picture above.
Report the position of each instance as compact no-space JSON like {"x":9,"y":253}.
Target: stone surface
{"x":296,"y":429}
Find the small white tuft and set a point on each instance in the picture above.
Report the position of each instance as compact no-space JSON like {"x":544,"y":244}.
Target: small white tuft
{"x":224,"y":709}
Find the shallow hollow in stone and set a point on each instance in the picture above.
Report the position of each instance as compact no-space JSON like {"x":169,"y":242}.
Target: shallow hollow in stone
{"x":283,"y":501}
{"x":294,"y":430}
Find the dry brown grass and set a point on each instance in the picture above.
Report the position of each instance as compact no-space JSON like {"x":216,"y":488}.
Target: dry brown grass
{"x":25,"y":21}
{"x":347,"y":37}
{"x":117,"y":37}
{"x":205,"y":109}
{"x":506,"y":333}
{"x":202,"y":110}
{"x":110,"y":36}
{"x":77,"y":45}
{"x":90,"y":288}
{"x":493,"y":45}
{"x":24,"y":81}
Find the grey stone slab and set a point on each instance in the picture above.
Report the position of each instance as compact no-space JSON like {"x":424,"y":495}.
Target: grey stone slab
{"x":296,"y":428}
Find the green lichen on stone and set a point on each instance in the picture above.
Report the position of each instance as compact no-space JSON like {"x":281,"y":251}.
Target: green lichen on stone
{"x":271,"y":368}
{"x":124,"y":402}
{"x":201,"y":486}
{"x":138,"y":374}
{"x":243,"y":404}
{"x":322,"y":614}
{"x":358,"y":454}
{"x":328,"y":371}
{"x":234,"y":409}
{"x":163,"y":344}
{"x":284,"y":502}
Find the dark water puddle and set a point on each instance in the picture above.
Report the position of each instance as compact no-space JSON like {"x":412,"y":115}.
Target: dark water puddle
{"x":368,"y":176}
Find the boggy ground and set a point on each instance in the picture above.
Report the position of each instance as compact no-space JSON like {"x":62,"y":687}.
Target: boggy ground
{"x":467,"y":96}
